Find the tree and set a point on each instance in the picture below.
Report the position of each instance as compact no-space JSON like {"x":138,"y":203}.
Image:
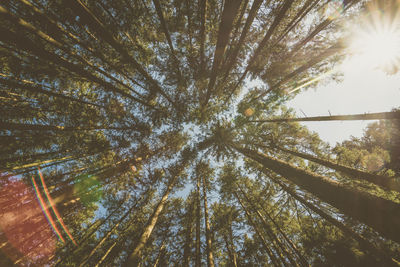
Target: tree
{"x":130,"y":135}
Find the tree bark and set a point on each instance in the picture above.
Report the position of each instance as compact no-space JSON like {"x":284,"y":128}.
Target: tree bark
{"x":392,"y":115}
{"x":304,"y":262}
{"x":133,"y":259}
{"x":210,"y":257}
{"x":267,"y":227}
{"x":364,"y":243}
{"x":272,"y":257}
{"x":203,"y":10}
{"x":225,"y":27}
{"x":198,"y":252}
{"x":188,"y":235}
{"x":380,"y":214}
{"x":380,"y":180}
{"x":286,"y":5}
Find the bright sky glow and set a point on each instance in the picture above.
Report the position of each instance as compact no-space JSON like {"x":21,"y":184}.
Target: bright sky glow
{"x":373,"y":54}
{"x":377,"y":46}
{"x":363,"y":89}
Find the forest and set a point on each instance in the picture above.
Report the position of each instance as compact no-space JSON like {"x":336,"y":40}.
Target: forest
{"x":131,"y":134}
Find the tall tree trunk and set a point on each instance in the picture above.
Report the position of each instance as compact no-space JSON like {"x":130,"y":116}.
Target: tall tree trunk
{"x":188,"y":234}
{"x":250,"y":18}
{"x":94,"y":23}
{"x":320,"y":27}
{"x":392,"y":115}
{"x":380,"y":180}
{"x":285,"y":7}
{"x":164,"y":27}
{"x":225,"y":27}
{"x":210,"y":257}
{"x":364,"y":243}
{"x":41,"y":127}
{"x":271,"y":255}
{"x":307,"y":7}
{"x":229,"y":245}
{"x":327,"y":53}
{"x":35,"y":88}
{"x":108,"y":234}
{"x":133,"y":259}
{"x":267,"y":227}
{"x":232,"y":246}
{"x":203,"y":11}
{"x":22,"y":42}
{"x":381,"y":214}
{"x":303,"y":260}
{"x":232,"y":256}
{"x":124,"y":236}
{"x":198,"y":241}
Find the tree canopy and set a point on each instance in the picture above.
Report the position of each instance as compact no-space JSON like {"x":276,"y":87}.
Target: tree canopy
{"x":130,"y":135}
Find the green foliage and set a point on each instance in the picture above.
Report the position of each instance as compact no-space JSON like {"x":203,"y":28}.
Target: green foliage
{"x":101,"y":95}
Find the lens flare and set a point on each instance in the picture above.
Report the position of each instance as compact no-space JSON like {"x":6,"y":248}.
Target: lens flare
{"x":53,"y":207}
{"x":45,"y":210}
{"x":249,"y":112}
{"x":88,"y":189}
{"x":375,"y":39}
{"x":334,"y":9}
{"x":28,"y":239}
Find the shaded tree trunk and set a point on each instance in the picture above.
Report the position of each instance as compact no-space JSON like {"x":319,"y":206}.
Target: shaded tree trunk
{"x":364,"y":243}
{"x":272,"y":257}
{"x":285,"y":7}
{"x":292,"y":245}
{"x":225,"y":27}
{"x":188,"y":235}
{"x":267,"y":227}
{"x":34,"y":88}
{"x":198,"y":207}
{"x":381,"y":214}
{"x":108,"y":234}
{"x":202,"y":9}
{"x":133,"y":259}
{"x":392,"y":115}
{"x":380,"y":180}
{"x":231,"y":251}
{"x":164,"y":27}
{"x":250,"y":18}
{"x":210,"y":257}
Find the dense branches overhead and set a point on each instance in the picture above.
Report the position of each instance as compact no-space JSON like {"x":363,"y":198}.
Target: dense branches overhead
{"x":133,"y":125}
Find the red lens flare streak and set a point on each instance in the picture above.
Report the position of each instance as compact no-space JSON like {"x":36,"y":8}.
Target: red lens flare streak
{"x":27,"y":235}
{"x":45,"y":210}
{"x":53,"y":207}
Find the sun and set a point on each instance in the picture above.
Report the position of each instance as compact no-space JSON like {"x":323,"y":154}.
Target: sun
{"x":380,"y":48}
{"x":376,"y":42}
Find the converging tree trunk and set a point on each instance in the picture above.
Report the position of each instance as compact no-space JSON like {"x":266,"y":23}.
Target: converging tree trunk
{"x":198,"y":214}
{"x":364,"y":243}
{"x":380,"y":180}
{"x":210,"y":257}
{"x":381,"y":214}
{"x":133,"y":259}
{"x":271,"y":255}
{"x":392,"y":115}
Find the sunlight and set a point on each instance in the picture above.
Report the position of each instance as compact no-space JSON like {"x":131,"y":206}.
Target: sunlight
{"x":380,"y":48}
{"x":376,"y":42}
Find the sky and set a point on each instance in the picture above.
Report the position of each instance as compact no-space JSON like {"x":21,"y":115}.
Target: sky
{"x":363,"y":89}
